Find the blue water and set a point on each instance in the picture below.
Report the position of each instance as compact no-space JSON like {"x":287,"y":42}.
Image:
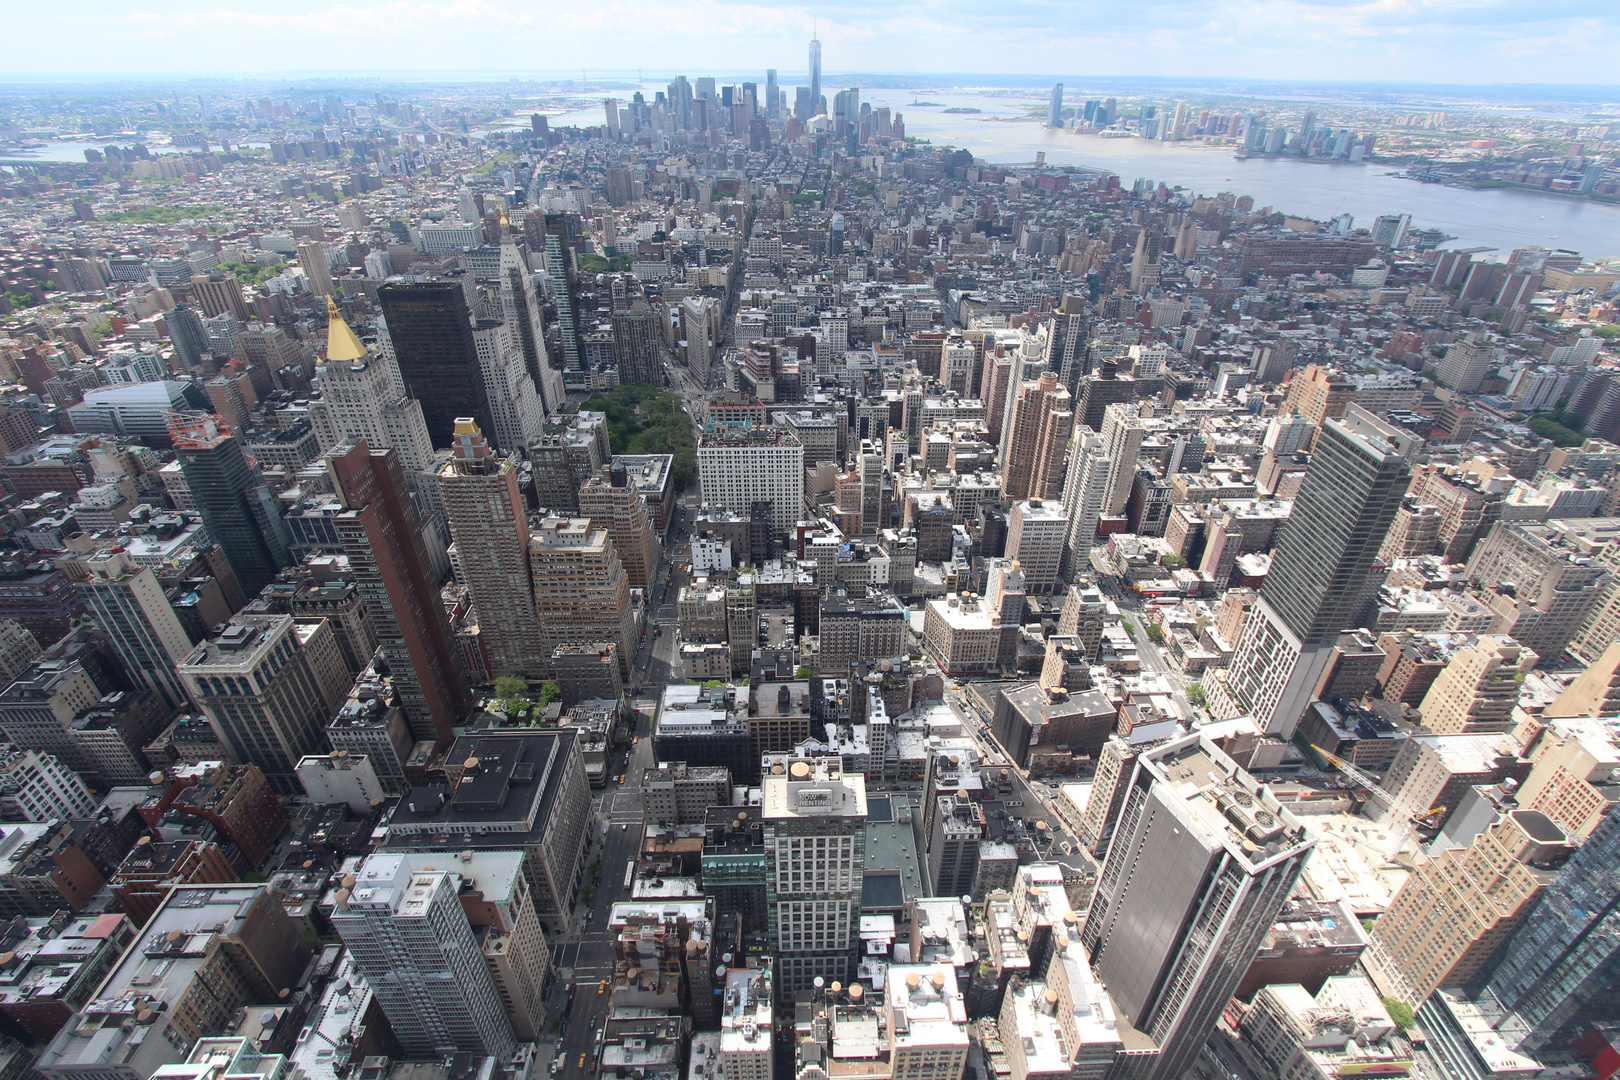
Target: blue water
{"x":1499,"y":218}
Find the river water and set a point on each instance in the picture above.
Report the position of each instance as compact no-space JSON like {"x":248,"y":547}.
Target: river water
{"x":1498,"y":218}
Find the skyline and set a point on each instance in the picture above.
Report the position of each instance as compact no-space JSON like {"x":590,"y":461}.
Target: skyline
{"x":1288,"y":39}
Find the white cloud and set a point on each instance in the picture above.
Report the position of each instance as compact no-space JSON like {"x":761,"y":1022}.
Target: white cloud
{"x":1402,"y":40}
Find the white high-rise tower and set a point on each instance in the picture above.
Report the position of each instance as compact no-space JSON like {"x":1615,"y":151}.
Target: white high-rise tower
{"x":410,"y":938}
{"x":815,"y":76}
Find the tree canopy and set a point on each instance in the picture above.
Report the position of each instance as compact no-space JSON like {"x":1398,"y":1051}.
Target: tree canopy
{"x":645,"y":420}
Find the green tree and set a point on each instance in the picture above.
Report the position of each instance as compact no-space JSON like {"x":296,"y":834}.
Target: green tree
{"x":1400,"y":1012}
{"x":250,"y":273}
{"x":647,"y":420}
{"x":596,"y":264}
{"x":549,"y":692}
{"x":1195,"y":694}
{"x":1545,"y":425}
{"x":159,"y":215}
{"x":1155,"y":633}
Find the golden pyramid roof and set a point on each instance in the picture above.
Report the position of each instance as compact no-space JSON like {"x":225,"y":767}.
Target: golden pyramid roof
{"x":341,"y":342}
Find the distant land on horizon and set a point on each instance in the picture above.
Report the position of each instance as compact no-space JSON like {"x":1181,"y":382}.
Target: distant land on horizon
{"x":608,"y":80}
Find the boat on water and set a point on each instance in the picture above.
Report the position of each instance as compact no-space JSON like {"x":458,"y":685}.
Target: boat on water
{"x":1115,"y":133}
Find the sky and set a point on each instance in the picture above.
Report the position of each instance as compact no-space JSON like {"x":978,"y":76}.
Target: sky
{"x":1441,"y":41}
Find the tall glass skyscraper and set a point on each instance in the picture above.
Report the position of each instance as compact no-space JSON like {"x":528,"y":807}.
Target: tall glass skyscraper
{"x":815,"y":76}
{"x":237,"y":507}
{"x":1560,"y":972}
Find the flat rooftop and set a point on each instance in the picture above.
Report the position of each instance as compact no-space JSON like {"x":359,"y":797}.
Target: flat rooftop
{"x":813,"y":789}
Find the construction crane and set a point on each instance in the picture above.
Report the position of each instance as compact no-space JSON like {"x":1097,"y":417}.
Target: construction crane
{"x":1396,"y":807}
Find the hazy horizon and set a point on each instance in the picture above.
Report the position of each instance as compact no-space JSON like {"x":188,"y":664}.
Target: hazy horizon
{"x":1351,"y":41}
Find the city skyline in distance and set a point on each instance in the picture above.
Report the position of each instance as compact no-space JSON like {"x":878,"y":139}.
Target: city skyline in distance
{"x":1489,"y":42}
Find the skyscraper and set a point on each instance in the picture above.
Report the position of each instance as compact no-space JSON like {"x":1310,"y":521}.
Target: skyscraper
{"x":815,"y":76}
{"x":188,"y":336}
{"x":1455,"y":910}
{"x":317,"y":268}
{"x":771,"y":109}
{"x":237,"y":507}
{"x":381,"y":534}
{"x":636,"y":345}
{"x":410,"y":938}
{"x":613,"y":502}
{"x":505,"y":924}
{"x":1054,"y":108}
{"x":1145,"y":261}
{"x":815,"y":835}
{"x":269,"y":686}
{"x":1560,"y":972}
{"x":1466,"y":364}
{"x":1032,"y":448}
{"x":1084,"y":493}
{"x":581,"y":591}
{"x":521,"y":306}
{"x":756,"y":472}
{"x":1203,"y":858}
{"x":491,"y":529}
{"x":561,"y":278}
{"x":432,"y":334}
{"x":1122,"y":431}
{"x":363,"y":397}
{"x":514,"y":405}
{"x":127,"y":604}
{"x":1318,"y":571}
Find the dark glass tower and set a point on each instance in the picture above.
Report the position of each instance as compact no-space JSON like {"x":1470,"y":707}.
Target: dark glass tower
{"x":564,"y":283}
{"x":431,"y":329}
{"x":187,"y":334}
{"x":237,"y":508}
{"x":1559,"y":975}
